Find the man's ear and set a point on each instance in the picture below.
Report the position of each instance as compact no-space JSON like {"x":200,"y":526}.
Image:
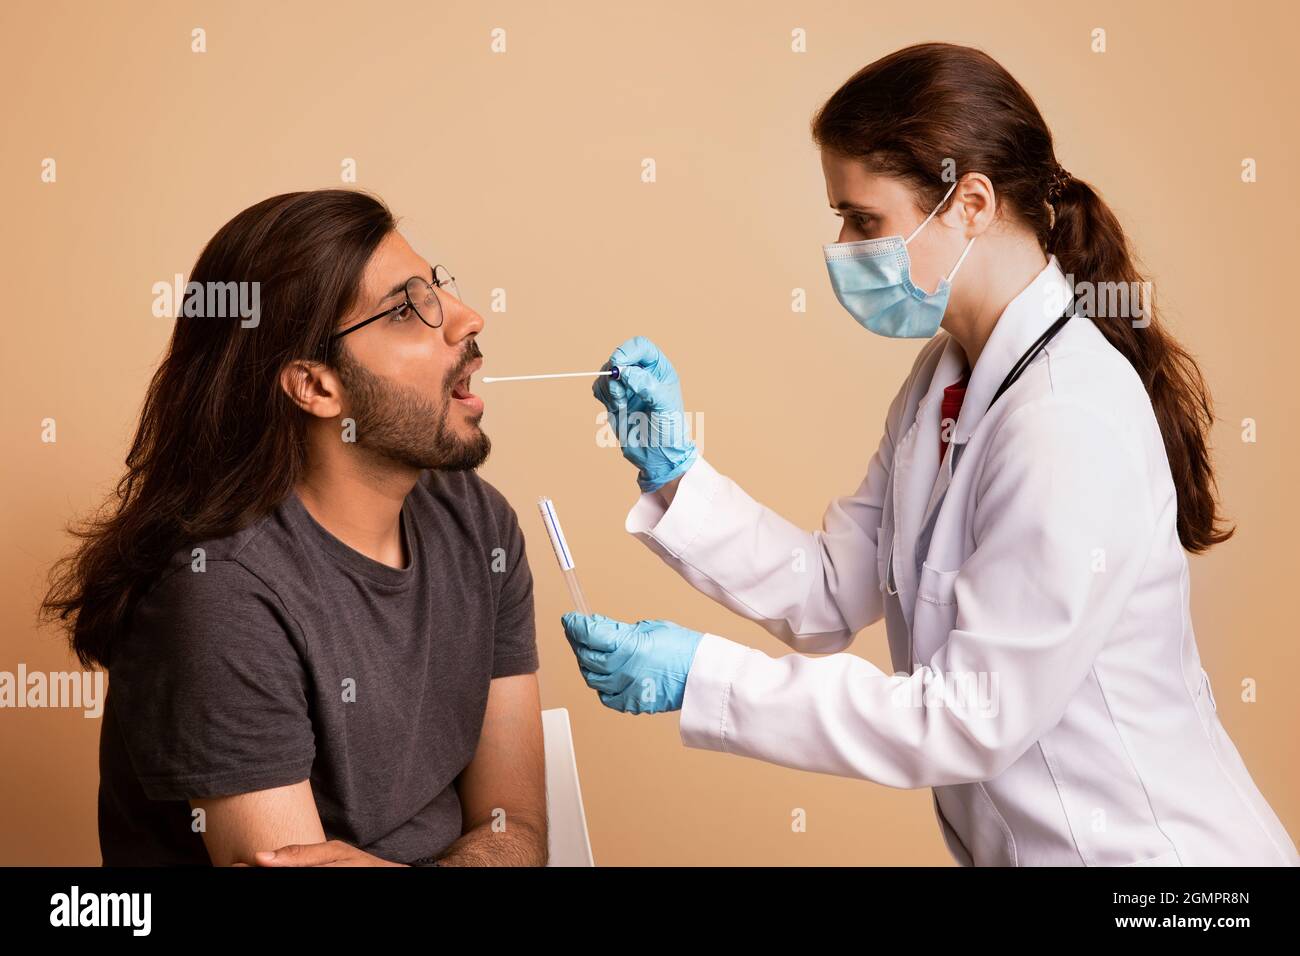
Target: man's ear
{"x":313,"y":387}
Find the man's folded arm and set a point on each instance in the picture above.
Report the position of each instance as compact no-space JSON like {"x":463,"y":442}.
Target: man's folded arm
{"x":212,"y":700}
{"x":237,"y":826}
{"x":503,"y":789}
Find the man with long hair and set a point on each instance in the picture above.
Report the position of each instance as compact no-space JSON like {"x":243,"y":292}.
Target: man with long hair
{"x":316,"y":617}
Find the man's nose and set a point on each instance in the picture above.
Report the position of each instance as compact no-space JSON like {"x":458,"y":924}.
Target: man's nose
{"x":459,"y":320}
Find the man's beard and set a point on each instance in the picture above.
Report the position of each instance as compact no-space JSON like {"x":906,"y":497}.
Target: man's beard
{"x":396,"y":423}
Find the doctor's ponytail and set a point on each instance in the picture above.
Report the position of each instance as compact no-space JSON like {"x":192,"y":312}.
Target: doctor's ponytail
{"x":1090,"y":245}
{"x":909,"y":112}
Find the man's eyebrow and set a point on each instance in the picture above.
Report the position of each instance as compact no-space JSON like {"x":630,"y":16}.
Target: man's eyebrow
{"x":399,"y":287}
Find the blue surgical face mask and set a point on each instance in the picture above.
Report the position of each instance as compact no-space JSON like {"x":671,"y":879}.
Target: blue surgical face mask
{"x":872,"y":278}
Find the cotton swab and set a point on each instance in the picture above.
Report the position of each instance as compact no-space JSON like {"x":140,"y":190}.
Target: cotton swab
{"x":614,"y":373}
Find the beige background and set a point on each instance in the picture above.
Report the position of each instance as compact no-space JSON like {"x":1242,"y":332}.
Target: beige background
{"x":522,"y":170}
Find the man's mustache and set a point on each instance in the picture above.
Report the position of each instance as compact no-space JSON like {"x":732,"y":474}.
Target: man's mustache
{"x":470,"y":354}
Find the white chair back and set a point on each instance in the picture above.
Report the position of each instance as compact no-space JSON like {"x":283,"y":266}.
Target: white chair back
{"x":567,"y":826}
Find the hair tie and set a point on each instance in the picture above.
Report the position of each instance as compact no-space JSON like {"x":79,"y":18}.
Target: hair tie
{"x":1059,"y":179}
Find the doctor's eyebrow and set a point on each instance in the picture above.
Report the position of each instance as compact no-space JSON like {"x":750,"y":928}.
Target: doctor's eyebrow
{"x":846,"y":206}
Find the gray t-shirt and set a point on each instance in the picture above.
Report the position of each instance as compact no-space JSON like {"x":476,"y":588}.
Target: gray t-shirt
{"x":292,"y":656}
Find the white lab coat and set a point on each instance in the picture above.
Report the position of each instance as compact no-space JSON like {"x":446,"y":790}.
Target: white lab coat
{"x":1046,"y":683}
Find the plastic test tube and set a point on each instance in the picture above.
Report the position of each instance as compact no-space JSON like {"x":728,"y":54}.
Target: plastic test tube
{"x":562,"y":553}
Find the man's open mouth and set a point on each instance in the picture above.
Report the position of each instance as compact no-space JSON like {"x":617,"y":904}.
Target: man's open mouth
{"x":460,"y":388}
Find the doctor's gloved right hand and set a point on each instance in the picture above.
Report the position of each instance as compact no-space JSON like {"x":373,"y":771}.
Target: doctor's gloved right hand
{"x":637,"y":668}
{"x":645,"y":412}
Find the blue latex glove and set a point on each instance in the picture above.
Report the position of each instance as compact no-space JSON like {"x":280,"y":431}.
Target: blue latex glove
{"x":645,"y":405}
{"x":637,"y":668}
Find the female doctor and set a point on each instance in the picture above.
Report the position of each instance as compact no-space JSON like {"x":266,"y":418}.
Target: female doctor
{"x":1021,"y":526}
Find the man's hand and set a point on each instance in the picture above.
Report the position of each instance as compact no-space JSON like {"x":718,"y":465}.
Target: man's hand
{"x":329,"y":853}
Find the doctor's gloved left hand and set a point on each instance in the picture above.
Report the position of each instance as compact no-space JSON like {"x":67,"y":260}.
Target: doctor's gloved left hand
{"x":637,"y":668}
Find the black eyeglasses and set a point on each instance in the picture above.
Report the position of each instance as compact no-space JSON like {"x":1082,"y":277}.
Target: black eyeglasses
{"x":419,"y":297}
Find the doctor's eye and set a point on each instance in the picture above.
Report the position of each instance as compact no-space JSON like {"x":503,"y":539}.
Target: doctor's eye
{"x":401,"y":313}
{"x":857,"y":220}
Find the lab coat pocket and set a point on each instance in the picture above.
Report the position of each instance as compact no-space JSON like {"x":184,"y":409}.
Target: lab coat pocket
{"x":936,"y":611}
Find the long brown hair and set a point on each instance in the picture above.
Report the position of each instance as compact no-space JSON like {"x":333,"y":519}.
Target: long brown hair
{"x":219,"y":444}
{"x":907,"y":113}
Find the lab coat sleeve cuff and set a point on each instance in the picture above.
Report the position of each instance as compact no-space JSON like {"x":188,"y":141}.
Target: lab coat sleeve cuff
{"x":705,"y":716}
{"x":675,"y":528}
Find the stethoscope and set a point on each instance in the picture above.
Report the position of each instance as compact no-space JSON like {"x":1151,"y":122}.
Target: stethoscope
{"x":1021,"y":364}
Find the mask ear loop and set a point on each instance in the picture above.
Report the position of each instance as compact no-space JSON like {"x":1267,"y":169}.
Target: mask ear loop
{"x":931,"y":216}
{"x":961,"y":260}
